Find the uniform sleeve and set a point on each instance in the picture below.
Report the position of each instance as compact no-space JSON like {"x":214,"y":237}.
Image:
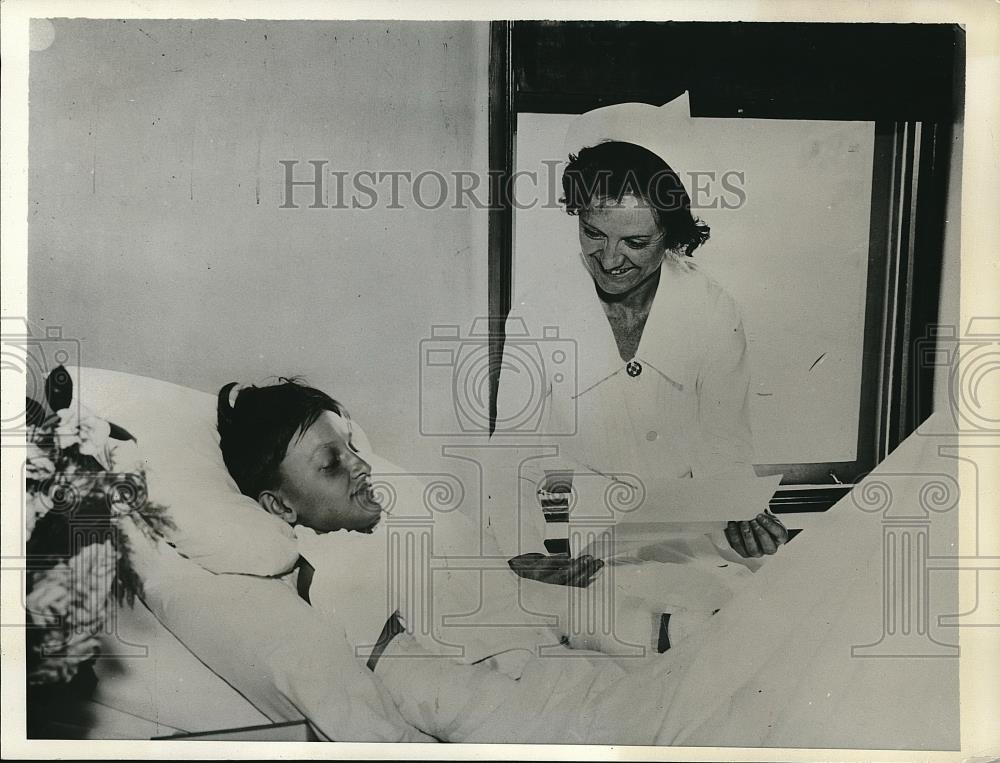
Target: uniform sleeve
{"x":723,"y":388}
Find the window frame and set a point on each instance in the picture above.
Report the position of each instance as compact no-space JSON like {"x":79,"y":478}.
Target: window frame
{"x":909,"y":185}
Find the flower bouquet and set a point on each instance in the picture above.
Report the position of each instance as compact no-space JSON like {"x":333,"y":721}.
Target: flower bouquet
{"x":83,"y":475}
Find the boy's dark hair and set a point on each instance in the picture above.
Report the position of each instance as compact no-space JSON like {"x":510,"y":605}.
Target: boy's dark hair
{"x":257,"y":428}
{"x":614,"y":169}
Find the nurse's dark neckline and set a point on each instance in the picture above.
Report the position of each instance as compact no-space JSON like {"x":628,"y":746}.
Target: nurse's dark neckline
{"x":627,"y":313}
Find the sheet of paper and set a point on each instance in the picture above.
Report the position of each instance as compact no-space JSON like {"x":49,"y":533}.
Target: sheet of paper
{"x":670,"y":510}
{"x":704,"y":500}
{"x":672,"y":500}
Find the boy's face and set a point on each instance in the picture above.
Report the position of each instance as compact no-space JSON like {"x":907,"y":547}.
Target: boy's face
{"x":324,"y":480}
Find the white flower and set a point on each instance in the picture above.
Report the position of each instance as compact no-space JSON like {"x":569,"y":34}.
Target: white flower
{"x":81,"y":426}
{"x":39,"y":466}
{"x":51,"y":595}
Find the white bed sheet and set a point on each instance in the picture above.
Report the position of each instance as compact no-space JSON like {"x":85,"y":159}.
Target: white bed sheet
{"x":778,"y":667}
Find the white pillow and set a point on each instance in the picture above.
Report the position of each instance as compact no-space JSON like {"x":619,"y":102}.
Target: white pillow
{"x":216,"y":526}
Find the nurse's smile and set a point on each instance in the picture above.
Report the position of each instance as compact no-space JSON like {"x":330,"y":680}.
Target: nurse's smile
{"x":621,"y":243}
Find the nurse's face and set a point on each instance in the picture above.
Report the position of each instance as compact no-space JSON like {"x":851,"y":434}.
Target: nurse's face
{"x":622,"y":244}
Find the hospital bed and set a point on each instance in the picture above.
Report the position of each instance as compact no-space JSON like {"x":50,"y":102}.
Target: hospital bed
{"x":846,"y":638}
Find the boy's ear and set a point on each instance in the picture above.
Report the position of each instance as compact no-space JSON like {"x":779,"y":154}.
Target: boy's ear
{"x":272,"y":503}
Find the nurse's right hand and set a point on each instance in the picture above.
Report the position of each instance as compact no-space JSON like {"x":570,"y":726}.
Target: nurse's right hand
{"x":556,"y":570}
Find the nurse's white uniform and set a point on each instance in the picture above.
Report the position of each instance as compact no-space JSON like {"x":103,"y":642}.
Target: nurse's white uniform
{"x":678,"y":409}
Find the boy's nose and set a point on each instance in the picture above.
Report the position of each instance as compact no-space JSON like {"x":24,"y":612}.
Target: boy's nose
{"x":359,"y":466}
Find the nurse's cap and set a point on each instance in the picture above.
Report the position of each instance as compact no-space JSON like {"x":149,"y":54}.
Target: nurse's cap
{"x":668,"y":131}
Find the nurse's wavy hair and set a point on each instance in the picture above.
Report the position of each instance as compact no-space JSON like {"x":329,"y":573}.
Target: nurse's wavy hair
{"x":257,"y":423}
{"x":613,"y":169}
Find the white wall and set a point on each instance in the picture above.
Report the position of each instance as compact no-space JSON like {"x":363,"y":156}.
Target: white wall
{"x":156,"y":236}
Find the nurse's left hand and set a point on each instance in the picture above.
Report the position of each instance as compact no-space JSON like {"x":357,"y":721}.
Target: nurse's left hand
{"x":757,"y":537}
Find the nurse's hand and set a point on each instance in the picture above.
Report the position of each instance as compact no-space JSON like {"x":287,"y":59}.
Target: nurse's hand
{"x":758,"y":537}
{"x":557,"y":570}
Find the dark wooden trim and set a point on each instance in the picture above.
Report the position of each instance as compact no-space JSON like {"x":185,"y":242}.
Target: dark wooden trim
{"x":914,"y":262}
{"x":762,"y":70}
{"x":817,"y":498}
{"x":885,"y":183}
{"x":932,"y":212}
{"x":578,"y":103}
{"x":502,"y":129}
{"x":928,"y":263}
{"x":898,"y":260}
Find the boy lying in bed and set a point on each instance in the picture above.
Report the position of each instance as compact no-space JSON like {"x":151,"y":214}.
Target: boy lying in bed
{"x":290,"y":447}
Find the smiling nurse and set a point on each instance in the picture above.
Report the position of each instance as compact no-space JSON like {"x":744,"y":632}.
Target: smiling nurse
{"x":662,"y":380}
{"x":627,"y":200}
